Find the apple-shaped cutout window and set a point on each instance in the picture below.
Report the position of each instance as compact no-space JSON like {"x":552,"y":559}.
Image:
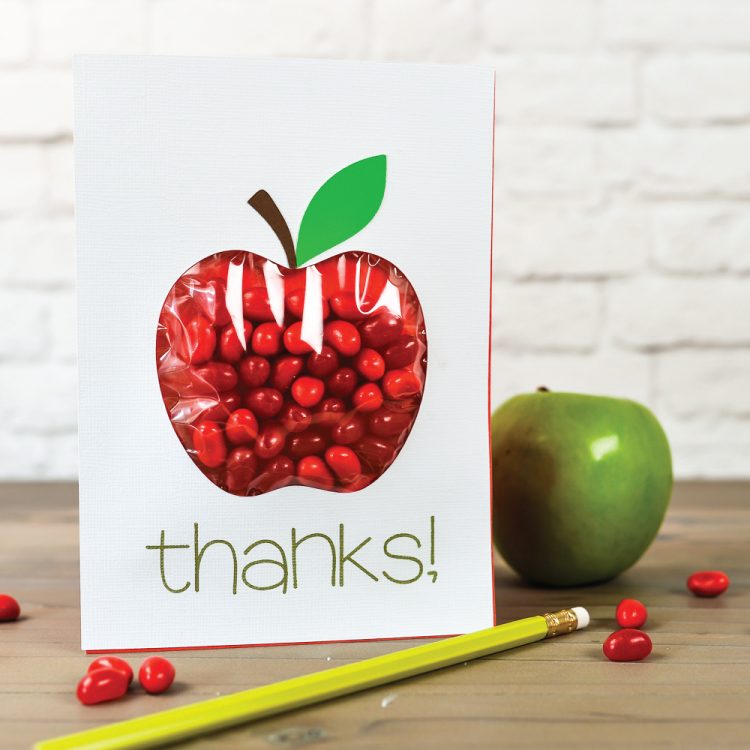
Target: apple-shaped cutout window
{"x":274,"y":376}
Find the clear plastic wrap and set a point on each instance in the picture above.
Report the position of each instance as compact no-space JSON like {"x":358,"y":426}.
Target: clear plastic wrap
{"x":274,"y":376}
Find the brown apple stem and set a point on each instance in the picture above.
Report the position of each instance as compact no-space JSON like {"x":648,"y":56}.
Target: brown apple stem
{"x":542,"y":389}
{"x":265,"y":206}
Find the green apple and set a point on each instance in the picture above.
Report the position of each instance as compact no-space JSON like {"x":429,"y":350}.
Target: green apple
{"x":580,"y":485}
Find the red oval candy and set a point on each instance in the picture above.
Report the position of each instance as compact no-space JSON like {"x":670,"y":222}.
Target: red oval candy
{"x":156,"y":675}
{"x":631,"y":613}
{"x":112,"y":662}
{"x":100,"y":685}
{"x":9,"y":608}
{"x":708,"y":582}
{"x":627,"y":644}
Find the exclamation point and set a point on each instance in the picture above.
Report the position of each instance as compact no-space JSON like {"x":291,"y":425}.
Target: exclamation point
{"x":432,"y":573}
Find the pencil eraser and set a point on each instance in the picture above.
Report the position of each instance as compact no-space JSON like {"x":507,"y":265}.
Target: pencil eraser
{"x":582,"y":615}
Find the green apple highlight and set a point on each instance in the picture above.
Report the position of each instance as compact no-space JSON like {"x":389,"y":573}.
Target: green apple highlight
{"x":580,"y":485}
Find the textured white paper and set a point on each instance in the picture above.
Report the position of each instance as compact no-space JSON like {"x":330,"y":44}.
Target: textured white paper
{"x":168,"y":150}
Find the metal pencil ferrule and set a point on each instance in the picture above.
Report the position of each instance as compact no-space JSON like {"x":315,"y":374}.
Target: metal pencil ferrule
{"x":558,"y":623}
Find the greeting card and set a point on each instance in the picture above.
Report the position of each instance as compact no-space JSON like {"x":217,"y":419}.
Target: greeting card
{"x":284,"y":318}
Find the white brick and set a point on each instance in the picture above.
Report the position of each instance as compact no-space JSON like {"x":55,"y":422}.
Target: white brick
{"x":545,"y":317}
{"x":25,"y":331}
{"x":37,"y":252}
{"x":60,"y":182}
{"x":541,"y":162}
{"x":36,"y":103}
{"x":702,"y":237}
{"x":62,"y":320}
{"x":608,"y":373}
{"x":440,"y":30}
{"x":41,"y":400}
{"x":266,"y":27}
{"x":698,"y":89}
{"x":34,"y":457}
{"x":704,"y":383}
{"x":565,"y":89}
{"x":710,"y":448}
{"x":677,"y":163}
{"x":68,"y":27}
{"x":15,"y":31}
{"x":653,"y":313}
{"x":541,"y":240}
{"x":677,"y":23}
{"x":561,"y":24}
{"x":22,"y":178}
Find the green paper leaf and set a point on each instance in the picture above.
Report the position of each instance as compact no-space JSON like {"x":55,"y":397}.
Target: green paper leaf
{"x":343,"y":206}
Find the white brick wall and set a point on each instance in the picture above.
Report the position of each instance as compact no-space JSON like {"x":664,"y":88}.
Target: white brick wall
{"x":622,"y":247}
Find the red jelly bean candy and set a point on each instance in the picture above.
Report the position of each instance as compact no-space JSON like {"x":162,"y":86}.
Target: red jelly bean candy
{"x":293,"y":340}
{"x":312,"y":470}
{"x":627,"y":644}
{"x":343,"y":462}
{"x":382,"y":329}
{"x":329,"y":411}
{"x":230,"y":347}
{"x":220,"y":376}
{"x":348,"y":430}
{"x":308,"y":443}
{"x":370,"y":364}
{"x":308,"y":391}
{"x":112,"y":662}
{"x":343,"y":337}
{"x":242,"y":427}
{"x":242,"y":469}
{"x":345,"y":305}
{"x":402,"y":353}
{"x":100,"y":685}
{"x":9,"y":608}
{"x":254,"y":370}
{"x":256,"y":305}
{"x":285,"y":370}
{"x":342,"y":383}
{"x":278,"y":472}
{"x":295,"y":304}
{"x":208,"y":441}
{"x":401,"y":384}
{"x":271,"y":441}
{"x":631,"y":613}
{"x":156,"y":675}
{"x":267,"y":339}
{"x":708,"y":583}
{"x":265,"y":403}
{"x":368,"y":397}
{"x":323,"y":364}
{"x":201,"y":340}
{"x":296,"y":418}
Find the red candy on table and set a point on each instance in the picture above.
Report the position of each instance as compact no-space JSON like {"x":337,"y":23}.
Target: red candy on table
{"x":631,"y":613}
{"x":112,"y":662}
{"x":708,"y":583}
{"x":10,"y":609}
{"x":156,"y":675}
{"x":328,"y":408}
{"x":103,"y":684}
{"x":627,"y":644}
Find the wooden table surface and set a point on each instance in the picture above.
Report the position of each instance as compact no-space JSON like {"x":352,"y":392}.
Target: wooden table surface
{"x":693,"y":692}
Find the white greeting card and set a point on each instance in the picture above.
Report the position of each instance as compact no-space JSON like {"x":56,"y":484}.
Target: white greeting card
{"x":284,"y":317}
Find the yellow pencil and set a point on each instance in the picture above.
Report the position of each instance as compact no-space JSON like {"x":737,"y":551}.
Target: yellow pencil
{"x":166,"y":727}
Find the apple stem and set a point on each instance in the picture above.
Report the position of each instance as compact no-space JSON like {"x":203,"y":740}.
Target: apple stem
{"x":265,"y":206}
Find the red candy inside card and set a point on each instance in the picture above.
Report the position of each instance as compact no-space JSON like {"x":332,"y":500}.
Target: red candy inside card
{"x":274,"y":376}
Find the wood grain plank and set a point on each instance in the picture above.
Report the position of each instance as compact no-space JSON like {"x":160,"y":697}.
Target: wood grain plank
{"x":694,"y":692}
